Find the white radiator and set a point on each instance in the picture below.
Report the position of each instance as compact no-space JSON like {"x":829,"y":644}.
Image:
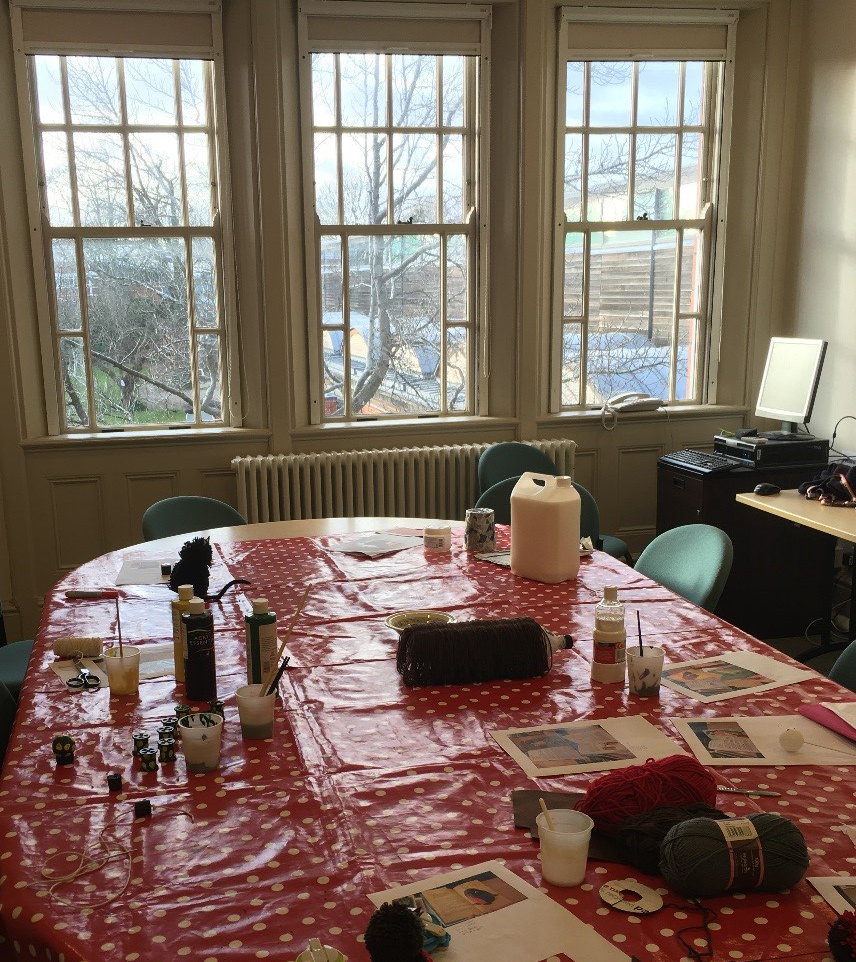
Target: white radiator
{"x":436,"y":482}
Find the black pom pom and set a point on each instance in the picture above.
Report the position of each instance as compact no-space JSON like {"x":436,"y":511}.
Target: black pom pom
{"x":394,"y":934}
{"x":842,"y":938}
{"x":196,"y":558}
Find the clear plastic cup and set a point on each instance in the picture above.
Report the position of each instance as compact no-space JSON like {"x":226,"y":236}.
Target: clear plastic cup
{"x":256,"y":713}
{"x":564,"y":851}
{"x":645,"y":670}
{"x":201,"y":733}
{"x":123,"y":672}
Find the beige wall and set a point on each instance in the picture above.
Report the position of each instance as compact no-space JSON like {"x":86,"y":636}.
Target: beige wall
{"x":822,"y":268}
{"x":63,"y":501}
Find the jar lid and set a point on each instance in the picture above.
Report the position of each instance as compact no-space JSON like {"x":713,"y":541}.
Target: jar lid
{"x":197,"y":606}
{"x":260,"y":606}
{"x":438,"y":531}
{"x":185,"y":592}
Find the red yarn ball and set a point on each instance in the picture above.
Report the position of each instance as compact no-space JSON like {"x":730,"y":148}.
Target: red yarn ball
{"x":673,"y":782}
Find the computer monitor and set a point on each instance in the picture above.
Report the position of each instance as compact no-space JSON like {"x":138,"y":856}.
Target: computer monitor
{"x":789,"y":384}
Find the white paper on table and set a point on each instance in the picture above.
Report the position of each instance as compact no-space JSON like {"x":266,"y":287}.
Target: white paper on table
{"x":592,"y":745}
{"x":755,"y":741}
{"x":526,"y":930}
{"x":142,"y":571}
{"x":503,"y":558}
{"x":374,"y":545}
{"x":732,"y":675}
{"x":838,"y":890}
{"x":67,"y":669}
{"x":157,"y":661}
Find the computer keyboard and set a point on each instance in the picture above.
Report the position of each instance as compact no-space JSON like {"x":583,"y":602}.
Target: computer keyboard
{"x":699,"y":461}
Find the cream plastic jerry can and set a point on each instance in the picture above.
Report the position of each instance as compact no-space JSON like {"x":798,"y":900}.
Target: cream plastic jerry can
{"x":545,"y":528}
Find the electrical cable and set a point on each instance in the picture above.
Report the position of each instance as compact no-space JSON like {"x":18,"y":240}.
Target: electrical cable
{"x":844,"y":417}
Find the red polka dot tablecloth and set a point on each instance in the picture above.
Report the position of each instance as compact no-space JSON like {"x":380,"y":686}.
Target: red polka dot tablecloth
{"x":366,"y":784}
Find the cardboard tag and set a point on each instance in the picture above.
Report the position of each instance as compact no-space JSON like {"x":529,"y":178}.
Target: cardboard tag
{"x":744,"y":850}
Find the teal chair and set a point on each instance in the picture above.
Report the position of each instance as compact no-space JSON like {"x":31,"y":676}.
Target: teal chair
{"x":187,"y":513}
{"x":8,"y":706}
{"x":590,"y":527}
{"x":693,"y":561}
{"x":844,"y":669}
{"x":510,"y":459}
{"x":498,"y":497}
{"x":14,"y":658}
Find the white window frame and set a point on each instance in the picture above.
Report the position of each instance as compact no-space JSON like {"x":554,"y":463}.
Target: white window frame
{"x":478,"y":223}
{"x":714,"y":233}
{"x":41,"y":233}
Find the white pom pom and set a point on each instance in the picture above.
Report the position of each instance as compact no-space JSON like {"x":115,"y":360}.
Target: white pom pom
{"x":791,"y":739}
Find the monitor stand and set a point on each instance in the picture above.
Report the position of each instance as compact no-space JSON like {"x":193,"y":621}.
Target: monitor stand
{"x":789,"y":432}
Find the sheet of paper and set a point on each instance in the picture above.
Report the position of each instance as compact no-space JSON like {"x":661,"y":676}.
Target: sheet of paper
{"x":846,"y":710}
{"x":68,"y":669}
{"x":491,"y":913}
{"x":593,"y":745}
{"x":739,"y":673}
{"x":156,"y":661}
{"x":755,"y":741}
{"x":838,"y":890}
{"x":373,"y":545}
{"x":503,"y":558}
{"x":142,"y":571}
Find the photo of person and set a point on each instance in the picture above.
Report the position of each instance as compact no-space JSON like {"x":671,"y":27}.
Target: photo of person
{"x":715,"y":678}
{"x":581,"y":745}
{"x":470,"y":898}
{"x":725,"y":739}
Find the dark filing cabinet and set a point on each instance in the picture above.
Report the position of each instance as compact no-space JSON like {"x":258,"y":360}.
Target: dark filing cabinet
{"x":782,"y":575}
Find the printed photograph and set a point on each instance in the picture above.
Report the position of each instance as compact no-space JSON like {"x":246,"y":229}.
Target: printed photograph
{"x":725,"y":739}
{"x":847,"y":892}
{"x":471,"y":898}
{"x":715,"y":678}
{"x":585,"y":745}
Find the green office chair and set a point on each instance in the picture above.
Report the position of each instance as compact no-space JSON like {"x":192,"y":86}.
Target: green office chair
{"x":590,"y":527}
{"x":498,"y":497}
{"x":14,"y":658}
{"x":8,"y":707}
{"x":844,"y":669}
{"x":187,"y":513}
{"x":508,"y":459}
{"x":693,"y":561}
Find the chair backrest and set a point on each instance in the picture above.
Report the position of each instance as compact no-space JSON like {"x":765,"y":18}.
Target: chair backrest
{"x":498,"y":497}
{"x":510,"y":459}
{"x":693,"y":561}
{"x":187,"y":513}
{"x":8,"y":707}
{"x":589,"y":515}
{"x":844,"y":669}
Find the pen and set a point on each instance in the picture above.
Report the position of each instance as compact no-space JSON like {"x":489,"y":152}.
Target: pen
{"x":748,"y":791}
{"x":88,"y":593}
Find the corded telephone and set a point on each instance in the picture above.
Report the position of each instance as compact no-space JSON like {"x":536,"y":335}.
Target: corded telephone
{"x":634,"y":401}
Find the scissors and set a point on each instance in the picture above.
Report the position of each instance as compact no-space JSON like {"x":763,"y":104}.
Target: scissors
{"x":84,"y":680}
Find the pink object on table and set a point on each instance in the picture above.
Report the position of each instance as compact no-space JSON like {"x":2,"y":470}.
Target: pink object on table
{"x":828,"y":718}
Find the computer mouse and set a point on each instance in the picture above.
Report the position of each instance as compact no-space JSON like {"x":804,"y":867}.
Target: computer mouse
{"x":766,"y":488}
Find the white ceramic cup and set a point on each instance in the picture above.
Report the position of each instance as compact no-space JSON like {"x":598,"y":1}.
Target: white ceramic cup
{"x":201,"y":733}
{"x":256,"y":713}
{"x":564,"y":850}
{"x":645,"y":670}
{"x":123,"y":673}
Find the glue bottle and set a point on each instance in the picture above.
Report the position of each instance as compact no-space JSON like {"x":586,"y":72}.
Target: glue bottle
{"x":610,"y":639}
{"x":261,"y":641}
{"x":200,"y":669}
{"x":179,"y":606}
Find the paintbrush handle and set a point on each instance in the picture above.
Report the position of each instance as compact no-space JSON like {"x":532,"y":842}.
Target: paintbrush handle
{"x":273,"y":668}
{"x":748,"y":791}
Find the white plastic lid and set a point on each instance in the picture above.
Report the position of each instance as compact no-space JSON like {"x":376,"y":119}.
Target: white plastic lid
{"x":185,"y":592}
{"x":438,"y":531}
{"x":197,"y":606}
{"x":610,"y":593}
{"x":260,"y":606}
{"x":564,"y":481}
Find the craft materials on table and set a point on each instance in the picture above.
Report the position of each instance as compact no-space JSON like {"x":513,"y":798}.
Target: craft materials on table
{"x":373,"y":545}
{"x":733,"y":675}
{"x":491,"y":913}
{"x":609,"y":639}
{"x":69,"y":647}
{"x":838,"y":890}
{"x":200,"y":668}
{"x":564,"y":837}
{"x":438,"y":538}
{"x":585,"y":746}
{"x":837,"y":716}
{"x":480,"y":530}
{"x":179,"y":606}
{"x":260,"y":639}
{"x":69,"y":669}
{"x":545,"y":528}
{"x":144,"y":571}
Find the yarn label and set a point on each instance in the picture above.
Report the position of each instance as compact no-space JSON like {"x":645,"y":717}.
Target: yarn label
{"x":744,"y":852}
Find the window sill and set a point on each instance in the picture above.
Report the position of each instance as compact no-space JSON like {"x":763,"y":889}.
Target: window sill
{"x":124,"y":439}
{"x":683,"y":412}
{"x":410,"y":426}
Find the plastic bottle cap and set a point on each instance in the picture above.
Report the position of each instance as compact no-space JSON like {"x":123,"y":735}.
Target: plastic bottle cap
{"x":260,"y":606}
{"x":185,"y":592}
{"x":438,"y":531}
{"x":563,"y":481}
{"x":610,"y":593}
{"x":197,"y":606}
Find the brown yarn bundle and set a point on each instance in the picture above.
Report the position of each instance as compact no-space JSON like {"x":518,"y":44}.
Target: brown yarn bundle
{"x":467,"y":652}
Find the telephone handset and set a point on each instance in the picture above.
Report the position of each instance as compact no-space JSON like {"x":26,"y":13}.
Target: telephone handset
{"x":634,"y":401}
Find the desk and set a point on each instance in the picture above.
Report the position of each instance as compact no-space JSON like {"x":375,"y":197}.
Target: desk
{"x":366,"y":784}
{"x":835,"y":521}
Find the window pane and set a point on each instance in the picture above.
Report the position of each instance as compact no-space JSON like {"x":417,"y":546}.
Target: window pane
{"x":457,"y":366}
{"x":323,"y":89}
{"x":456,"y":278}
{"x":155,"y":179}
{"x":453,"y":179}
{"x":454,"y":77}
{"x":691,"y":176}
{"x":331,"y":280}
{"x":574,"y":94}
{"x":334,"y":367}
{"x":65,"y":282}
{"x":573,"y":275}
{"x":571,"y":370}
{"x":73,"y":368}
{"x":364,"y":178}
{"x":198,"y":178}
{"x":205,"y":283}
{"x":326,"y":181}
{"x":693,"y":93}
{"x":573,"y":176}
{"x":150,"y":91}
{"x":100,"y":161}
{"x":49,"y":86}
{"x":138,"y":330}
{"x":655,"y":176}
{"x":57,"y":181}
{"x":363,"y":90}
{"x":414,"y":158}
{"x":685,"y":375}
{"x":611,"y":100}
{"x":657,"y":94}
{"x":208,"y":377}
{"x":192,"y":75}
{"x":691,"y":272}
{"x":414,"y":90}
{"x":608,"y":162}
{"x":93,"y":90}
{"x":631,"y":306}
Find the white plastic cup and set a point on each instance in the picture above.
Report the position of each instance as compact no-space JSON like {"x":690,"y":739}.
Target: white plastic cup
{"x":564,"y":851}
{"x":201,"y":733}
{"x":326,"y":953}
{"x":645,"y":670}
{"x":123,"y":673}
{"x":256,"y":713}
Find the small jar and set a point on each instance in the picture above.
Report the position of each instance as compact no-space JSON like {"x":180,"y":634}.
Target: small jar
{"x":438,"y":538}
